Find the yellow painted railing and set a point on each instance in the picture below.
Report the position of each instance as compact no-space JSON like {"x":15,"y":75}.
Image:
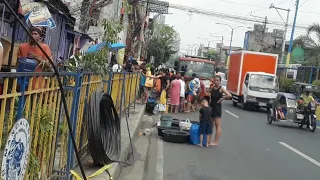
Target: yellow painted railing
{"x":39,"y":101}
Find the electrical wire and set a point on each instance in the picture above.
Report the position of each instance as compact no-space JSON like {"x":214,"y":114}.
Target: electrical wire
{"x":64,"y":102}
{"x":104,"y":131}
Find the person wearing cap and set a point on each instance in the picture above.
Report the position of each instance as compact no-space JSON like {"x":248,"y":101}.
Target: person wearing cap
{"x":307,"y":98}
{"x":31,"y":50}
{"x":128,"y":66}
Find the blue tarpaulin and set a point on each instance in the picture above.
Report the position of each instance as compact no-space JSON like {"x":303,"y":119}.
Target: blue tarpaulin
{"x":99,"y":46}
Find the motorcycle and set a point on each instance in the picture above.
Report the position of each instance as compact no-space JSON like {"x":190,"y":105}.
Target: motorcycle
{"x":307,"y":116}
{"x":301,"y":115}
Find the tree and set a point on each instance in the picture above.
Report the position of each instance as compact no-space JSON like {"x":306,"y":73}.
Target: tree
{"x":311,"y":45}
{"x":160,"y":44}
{"x":211,"y":54}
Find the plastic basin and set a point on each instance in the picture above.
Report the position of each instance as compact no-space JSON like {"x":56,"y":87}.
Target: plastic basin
{"x":175,"y":136}
{"x":162,"y":128}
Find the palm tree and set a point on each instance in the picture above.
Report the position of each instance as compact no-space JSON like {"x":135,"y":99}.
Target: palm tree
{"x":311,"y":43}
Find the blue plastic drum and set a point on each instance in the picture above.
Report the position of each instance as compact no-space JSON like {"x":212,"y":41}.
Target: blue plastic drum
{"x":195,"y":135}
{"x":26,"y":65}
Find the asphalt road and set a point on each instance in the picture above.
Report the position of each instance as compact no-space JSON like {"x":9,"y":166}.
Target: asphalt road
{"x":250,"y":149}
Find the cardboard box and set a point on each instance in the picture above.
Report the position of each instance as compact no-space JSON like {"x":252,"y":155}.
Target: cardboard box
{"x":6,"y":51}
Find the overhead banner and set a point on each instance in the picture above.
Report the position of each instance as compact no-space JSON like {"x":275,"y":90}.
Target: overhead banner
{"x":25,"y":7}
{"x":37,"y":13}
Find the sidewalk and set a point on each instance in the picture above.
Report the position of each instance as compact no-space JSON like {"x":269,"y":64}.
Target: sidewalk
{"x":134,"y":120}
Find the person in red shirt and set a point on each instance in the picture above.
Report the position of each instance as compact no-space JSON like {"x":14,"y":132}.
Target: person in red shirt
{"x":31,"y":50}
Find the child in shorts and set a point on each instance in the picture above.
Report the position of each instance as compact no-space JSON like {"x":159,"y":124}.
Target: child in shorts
{"x":205,"y":121}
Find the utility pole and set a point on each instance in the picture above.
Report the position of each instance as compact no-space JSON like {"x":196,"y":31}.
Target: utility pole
{"x":142,"y":28}
{"x":221,"y":46}
{"x":209,"y":41}
{"x":285,"y":29}
{"x":292,"y":34}
{"x":263,"y":33}
{"x":260,"y":39}
{"x":230,"y":46}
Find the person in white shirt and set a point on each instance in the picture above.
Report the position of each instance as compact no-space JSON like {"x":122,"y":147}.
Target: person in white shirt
{"x":182,"y":94}
{"x":196,"y":82}
{"x":1,"y":55}
{"x":116,"y":68}
{"x":197,"y":89}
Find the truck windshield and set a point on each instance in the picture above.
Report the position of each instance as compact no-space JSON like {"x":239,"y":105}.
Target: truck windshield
{"x":261,"y":81}
{"x":202,"y":69}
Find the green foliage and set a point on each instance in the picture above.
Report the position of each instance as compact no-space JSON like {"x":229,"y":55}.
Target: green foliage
{"x":311,"y":45}
{"x":111,"y":30}
{"x":46,"y":123}
{"x":287,"y":85}
{"x":127,"y":7}
{"x":173,"y":58}
{"x":211,"y":54}
{"x":316,"y":82}
{"x":97,"y":62}
{"x":161,"y":42}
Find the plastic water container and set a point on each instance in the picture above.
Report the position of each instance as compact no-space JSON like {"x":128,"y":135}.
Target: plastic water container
{"x":166,"y":121}
{"x":195,"y":135}
{"x":26,"y":65}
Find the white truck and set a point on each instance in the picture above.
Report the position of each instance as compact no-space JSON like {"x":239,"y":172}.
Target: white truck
{"x":252,"y":79}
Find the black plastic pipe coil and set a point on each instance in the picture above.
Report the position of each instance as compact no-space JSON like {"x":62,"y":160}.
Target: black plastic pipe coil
{"x":104,"y":132}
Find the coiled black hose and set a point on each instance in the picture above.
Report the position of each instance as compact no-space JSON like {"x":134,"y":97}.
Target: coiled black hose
{"x":104,"y":131}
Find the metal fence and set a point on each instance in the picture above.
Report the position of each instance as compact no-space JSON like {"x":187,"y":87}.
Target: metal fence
{"x":36,"y":97}
{"x":305,"y":74}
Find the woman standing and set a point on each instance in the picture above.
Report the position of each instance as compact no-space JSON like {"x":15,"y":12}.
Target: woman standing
{"x":182,"y":94}
{"x":190,"y":96}
{"x":218,"y":94}
{"x":148,"y":83}
{"x":175,"y":94}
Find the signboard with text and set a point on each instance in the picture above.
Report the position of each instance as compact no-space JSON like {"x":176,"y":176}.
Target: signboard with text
{"x":37,"y":13}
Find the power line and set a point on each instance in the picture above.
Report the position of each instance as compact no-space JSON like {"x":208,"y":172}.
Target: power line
{"x":225,"y":15}
{"x":303,"y":3}
{"x":281,"y":2}
{"x":244,"y":4}
{"x":265,"y":8}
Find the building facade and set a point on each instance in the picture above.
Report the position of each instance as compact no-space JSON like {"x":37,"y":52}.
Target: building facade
{"x":260,"y":40}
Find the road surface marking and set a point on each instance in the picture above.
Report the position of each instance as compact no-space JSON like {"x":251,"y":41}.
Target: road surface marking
{"x":231,"y":114}
{"x":159,"y":166}
{"x":301,"y":154}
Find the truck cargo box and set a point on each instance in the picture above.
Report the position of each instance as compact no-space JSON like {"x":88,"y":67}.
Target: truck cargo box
{"x":246,"y":61}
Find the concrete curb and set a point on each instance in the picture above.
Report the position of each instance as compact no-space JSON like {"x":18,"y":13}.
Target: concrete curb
{"x":135,"y":119}
{"x":117,"y":167}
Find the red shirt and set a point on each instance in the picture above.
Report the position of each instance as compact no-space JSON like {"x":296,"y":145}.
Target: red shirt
{"x":203,"y":89}
{"x":25,"y":48}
